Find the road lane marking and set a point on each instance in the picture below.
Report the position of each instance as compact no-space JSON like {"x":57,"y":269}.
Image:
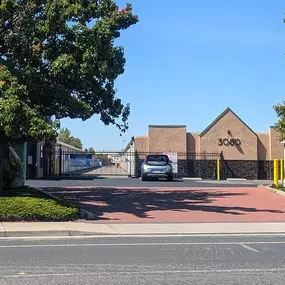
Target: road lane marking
{"x":213,"y":271}
{"x":140,"y":244}
{"x":249,"y":247}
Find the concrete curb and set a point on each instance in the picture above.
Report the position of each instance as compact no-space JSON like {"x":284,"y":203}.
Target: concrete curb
{"x":53,"y":229}
{"x":282,"y":193}
{"x":59,"y":233}
{"x":191,"y":179}
{"x":76,"y":229}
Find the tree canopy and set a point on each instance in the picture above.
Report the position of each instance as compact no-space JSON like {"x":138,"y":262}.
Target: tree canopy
{"x":280,"y":125}
{"x":66,"y":137}
{"x":59,"y":58}
{"x":91,"y":150}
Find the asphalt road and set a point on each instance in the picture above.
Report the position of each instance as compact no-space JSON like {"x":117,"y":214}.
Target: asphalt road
{"x":144,"y":260}
{"x":132,"y":182}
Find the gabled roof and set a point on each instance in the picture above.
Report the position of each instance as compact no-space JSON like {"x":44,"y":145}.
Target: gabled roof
{"x":227,"y":110}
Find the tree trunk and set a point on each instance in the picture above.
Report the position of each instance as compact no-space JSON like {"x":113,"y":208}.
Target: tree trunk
{"x":4,"y":146}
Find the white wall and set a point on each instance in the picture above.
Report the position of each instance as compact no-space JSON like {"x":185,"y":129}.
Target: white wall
{"x":128,"y":160}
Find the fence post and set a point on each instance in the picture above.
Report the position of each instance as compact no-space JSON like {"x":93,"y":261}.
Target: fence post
{"x":60,"y":161}
{"x":276,"y":183}
{"x":218,"y":169}
{"x":25,"y":155}
{"x":50,"y":160}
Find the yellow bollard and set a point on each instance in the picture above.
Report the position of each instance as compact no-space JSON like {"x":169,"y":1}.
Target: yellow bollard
{"x":218,"y":169}
{"x":281,"y":170}
{"x":276,"y":183}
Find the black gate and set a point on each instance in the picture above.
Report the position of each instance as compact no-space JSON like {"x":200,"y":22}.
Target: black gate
{"x":64,"y":161}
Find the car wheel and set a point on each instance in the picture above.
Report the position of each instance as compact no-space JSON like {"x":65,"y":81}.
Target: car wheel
{"x":170,"y":178}
{"x":144,"y":178}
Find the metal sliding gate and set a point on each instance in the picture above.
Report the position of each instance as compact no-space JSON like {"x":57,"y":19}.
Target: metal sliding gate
{"x":62,"y":162}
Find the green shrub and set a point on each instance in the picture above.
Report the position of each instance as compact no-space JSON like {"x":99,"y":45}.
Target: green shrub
{"x":35,"y":209}
{"x":12,"y":170}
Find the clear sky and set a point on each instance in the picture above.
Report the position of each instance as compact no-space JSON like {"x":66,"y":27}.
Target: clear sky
{"x":187,"y":60}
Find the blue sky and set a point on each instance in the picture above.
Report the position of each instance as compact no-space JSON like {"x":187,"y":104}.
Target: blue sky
{"x":187,"y":62}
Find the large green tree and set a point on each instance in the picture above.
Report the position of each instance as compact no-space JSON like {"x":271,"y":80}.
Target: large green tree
{"x":58,"y":58}
{"x":280,"y":125}
{"x":66,"y":137}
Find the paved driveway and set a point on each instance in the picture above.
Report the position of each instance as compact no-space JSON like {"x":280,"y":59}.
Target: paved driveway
{"x":107,"y":170}
{"x":176,"y":204}
{"x":122,"y":182}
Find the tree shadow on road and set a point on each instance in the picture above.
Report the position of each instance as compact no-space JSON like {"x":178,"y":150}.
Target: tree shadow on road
{"x":102,"y":201}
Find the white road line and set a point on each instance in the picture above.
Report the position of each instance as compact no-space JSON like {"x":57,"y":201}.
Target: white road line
{"x":214,"y":271}
{"x":139,"y":244}
{"x":249,"y":247}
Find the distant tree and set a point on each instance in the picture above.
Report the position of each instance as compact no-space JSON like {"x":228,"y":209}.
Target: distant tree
{"x":280,"y":125}
{"x":91,"y":150}
{"x":66,"y":137}
{"x":76,"y":142}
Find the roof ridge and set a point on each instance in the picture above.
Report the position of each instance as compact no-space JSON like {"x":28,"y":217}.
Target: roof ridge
{"x":228,"y":109}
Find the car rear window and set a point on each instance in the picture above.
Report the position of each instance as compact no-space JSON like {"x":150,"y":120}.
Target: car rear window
{"x":157,"y":160}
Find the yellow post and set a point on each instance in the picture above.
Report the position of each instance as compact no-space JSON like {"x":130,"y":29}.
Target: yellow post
{"x":276,"y":184}
{"x":218,"y":169}
{"x":281,"y":170}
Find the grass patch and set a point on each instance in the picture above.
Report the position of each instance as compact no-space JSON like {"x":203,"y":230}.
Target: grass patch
{"x":29,"y":204}
{"x":281,"y":188}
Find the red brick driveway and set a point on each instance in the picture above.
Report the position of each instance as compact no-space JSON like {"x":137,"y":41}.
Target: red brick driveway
{"x":177,"y":205}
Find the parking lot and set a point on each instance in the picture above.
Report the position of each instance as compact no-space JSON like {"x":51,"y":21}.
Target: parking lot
{"x":133,"y":182}
{"x":134,"y":201}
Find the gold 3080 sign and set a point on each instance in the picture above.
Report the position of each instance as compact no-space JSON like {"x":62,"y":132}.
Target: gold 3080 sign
{"x":229,"y":142}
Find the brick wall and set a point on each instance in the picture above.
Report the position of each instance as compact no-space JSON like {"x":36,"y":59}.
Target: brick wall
{"x":276,"y":148}
{"x":207,"y":169}
{"x":254,"y":146}
{"x":263,"y":146}
{"x":193,"y":142}
{"x":141,"y":144}
{"x":167,"y":139}
{"x":248,"y":169}
{"x":246,"y":151}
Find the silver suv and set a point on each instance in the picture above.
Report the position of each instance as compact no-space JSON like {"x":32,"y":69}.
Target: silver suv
{"x":157,"y":166}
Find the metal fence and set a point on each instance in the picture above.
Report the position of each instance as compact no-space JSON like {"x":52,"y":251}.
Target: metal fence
{"x":189,"y":164}
{"x":63,"y":162}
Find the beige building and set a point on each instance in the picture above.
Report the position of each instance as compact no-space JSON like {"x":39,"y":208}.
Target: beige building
{"x":227,"y":133}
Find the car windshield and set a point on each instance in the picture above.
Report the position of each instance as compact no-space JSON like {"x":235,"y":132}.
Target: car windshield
{"x":157,"y":160}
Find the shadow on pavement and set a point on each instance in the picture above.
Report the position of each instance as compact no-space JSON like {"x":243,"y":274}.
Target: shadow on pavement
{"x":102,"y":201}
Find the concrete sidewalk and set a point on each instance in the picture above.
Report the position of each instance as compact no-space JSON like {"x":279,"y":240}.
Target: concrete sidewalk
{"x":91,"y":229}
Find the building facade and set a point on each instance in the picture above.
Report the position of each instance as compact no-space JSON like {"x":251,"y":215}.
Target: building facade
{"x":228,"y":134}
